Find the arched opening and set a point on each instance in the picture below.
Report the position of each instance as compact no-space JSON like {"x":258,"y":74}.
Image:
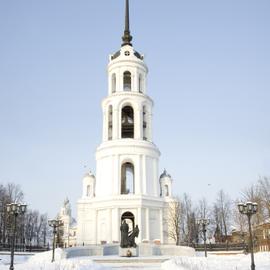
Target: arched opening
{"x":88,"y":190}
{"x":127,"y":178}
{"x":127,"y":81}
{"x":110,"y":122}
{"x":144,"y":124}
{"x":130,"y":220}
{"x":127,"y":122}
{"x":113,"y":83}
{"x":166,"y":190}
{"x":140,"y":83}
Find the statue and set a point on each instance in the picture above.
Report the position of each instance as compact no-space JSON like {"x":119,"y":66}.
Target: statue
{"x":124,"y":235}
{"x":132,"y":235}
{"x":128,"y":238}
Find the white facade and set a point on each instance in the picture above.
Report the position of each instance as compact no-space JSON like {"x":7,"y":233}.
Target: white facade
{"x":127,"y":184}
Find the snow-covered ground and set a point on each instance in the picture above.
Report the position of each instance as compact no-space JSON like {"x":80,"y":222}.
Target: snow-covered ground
{"x":42,"y":261}
{"x":218,"y":262}
{"x":5,"y":259}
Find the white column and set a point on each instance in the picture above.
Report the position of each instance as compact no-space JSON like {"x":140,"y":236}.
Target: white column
{"x":117,"y":225}
{"x":140,"y":123}
{"x":161,"y":225}
{"x":121,"y":84}
{"x":115,"y":190}
{"x":105,"y":126}
{"x":155,"y":177}
{"x":137,"y":120}
{"x":147,"y":223}
{"x":144,"y":174}
{"x":115,"y":123}
{"x":136,"y":78}
{"x":117,"y":172}
{"x":111,"y":225}
{"x":95,"y":227}
{"x":145,"y":84}
{"x":140,"y":187}
{"x":113,"y":175}
{"x":119,"y":124}
{"x":109,"y":83}
{"x":133,"y":81}
{"x":137,"y":175}
{"x":139,"y":223}
{"x":150,"y":117}
{"x":117,"y":72}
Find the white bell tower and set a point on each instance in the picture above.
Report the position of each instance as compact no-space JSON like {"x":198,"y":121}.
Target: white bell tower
{"x":127,"y":161}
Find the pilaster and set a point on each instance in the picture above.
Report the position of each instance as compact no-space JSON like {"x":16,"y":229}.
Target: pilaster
{"x":147,"y":223}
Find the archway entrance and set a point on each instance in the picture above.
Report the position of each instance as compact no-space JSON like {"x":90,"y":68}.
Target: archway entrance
{"x":130,"y":220}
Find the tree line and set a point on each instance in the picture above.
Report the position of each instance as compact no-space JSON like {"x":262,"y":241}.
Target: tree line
{"x":31,"y":228}
{"x":223,"y":214}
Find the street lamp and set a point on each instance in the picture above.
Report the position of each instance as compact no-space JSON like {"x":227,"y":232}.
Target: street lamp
{"x":55,"y":223}
{"x":203,"y":222}
{"x":14,"y":209}
{"x":249,"y":209}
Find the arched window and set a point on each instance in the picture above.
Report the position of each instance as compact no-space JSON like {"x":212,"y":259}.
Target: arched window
{"x":166,"y":190}
{"x":144,"y":123}
{"x":127,"y":81}
{"x":88,"y":190}
{"x":127,"y":122}
{"x":110,"y":122}
{"x":113,"y":83}
{"x":127,"y":178}
{"x":140,"y":83}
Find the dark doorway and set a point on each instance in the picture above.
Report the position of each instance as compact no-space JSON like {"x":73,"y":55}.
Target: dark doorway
{"x":130,"y":220}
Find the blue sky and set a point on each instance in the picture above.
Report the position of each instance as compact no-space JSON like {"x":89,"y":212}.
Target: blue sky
{"x":209,"y":76}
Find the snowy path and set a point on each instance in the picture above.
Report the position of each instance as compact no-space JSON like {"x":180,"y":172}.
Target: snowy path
{"x":136,"y":267}
{"x":132,"y":264}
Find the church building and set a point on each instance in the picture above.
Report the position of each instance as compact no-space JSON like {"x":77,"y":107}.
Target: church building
{"x":126,"y":185}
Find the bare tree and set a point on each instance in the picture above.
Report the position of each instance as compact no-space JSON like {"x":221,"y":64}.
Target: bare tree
{"x":264,"y":192}
{"x":222,"y":212}
{"x":175,"y":218}
{"x":253,"y":194}
{"x":8,"y":194}
{"x":189,"y":227}
{"x":204,"y":211}
{"x":239,"y":220}
{"x":41,"y":229}
{"x":32,"y":226}
{"x":14,"y":193}
{"x":203,"y":208}
{"x":31,"y":221}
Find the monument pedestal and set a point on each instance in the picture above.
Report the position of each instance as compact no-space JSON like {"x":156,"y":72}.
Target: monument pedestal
{"x":128,"y":252}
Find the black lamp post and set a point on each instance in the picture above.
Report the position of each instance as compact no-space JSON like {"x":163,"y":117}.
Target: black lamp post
{"x":54,"y":223}
{"x":14,"y":209}
{"x":203,"y":222}
{"x":249,"y":209}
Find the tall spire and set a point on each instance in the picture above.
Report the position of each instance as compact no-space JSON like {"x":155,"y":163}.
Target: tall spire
{"x":127,"y":37}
